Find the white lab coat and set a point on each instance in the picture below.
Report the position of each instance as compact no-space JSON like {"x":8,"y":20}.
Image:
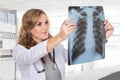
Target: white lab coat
{"x":27,"y":58}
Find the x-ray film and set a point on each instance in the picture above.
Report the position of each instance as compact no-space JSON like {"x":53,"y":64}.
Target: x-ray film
{"x":87,"y":42}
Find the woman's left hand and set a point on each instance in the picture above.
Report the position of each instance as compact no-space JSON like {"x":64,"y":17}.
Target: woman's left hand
{"x":108,"y":28}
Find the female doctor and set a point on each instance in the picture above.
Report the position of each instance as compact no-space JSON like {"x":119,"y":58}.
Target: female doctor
{"x":38,"y":55}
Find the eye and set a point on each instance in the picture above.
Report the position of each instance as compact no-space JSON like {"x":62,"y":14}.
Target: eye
{"x":46,"y":22}
{"x":38,"y":24}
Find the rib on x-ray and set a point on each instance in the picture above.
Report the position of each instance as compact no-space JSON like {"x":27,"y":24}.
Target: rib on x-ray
{"x":87,"y":42}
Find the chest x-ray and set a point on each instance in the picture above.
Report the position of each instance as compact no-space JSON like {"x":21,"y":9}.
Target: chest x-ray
{"x":87,"y":42}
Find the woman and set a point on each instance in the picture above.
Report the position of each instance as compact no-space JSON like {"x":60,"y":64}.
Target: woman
{"x":38,"y":55}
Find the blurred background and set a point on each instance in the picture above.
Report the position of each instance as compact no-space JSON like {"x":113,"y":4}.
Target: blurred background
{"x":11,"y":12}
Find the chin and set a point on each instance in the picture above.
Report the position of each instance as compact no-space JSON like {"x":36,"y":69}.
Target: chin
{"x":44,"y":38}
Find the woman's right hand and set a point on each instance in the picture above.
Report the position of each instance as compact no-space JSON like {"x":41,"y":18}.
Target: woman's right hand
{"x":66,"y":28}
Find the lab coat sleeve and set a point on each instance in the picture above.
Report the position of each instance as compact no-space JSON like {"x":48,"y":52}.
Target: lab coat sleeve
{"x":22,"y":55}
{"x":65,"y":53}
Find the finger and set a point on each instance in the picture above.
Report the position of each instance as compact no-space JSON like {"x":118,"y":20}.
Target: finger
{"x":71,"y":30}
{"x":109,"y":27}
{"x":106,"y":21}
{"x":107,"y":24}
{"x":67,"y":21}
{"x":71,"y":25}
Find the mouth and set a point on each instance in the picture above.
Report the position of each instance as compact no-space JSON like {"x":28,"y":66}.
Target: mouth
{"x":45,"y":33}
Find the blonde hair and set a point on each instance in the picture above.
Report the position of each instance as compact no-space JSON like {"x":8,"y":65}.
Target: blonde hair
{"x":29,"y":21}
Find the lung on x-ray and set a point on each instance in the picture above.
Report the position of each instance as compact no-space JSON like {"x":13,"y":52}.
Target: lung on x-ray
{"x":87,"y":42}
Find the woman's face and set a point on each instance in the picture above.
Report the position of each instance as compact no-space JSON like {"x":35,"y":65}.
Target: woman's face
{"x":41,"y":29}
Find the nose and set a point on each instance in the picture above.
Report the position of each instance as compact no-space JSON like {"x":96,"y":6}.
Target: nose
{"x":45,"y":26}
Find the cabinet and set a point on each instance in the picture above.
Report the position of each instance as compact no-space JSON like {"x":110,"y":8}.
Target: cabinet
{"x":8,"y":32}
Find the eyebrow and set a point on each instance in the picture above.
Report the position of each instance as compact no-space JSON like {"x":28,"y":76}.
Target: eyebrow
{"x":41,"y":22}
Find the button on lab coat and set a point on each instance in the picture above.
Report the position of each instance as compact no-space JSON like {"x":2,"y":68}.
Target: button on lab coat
{"x":29,"y":59}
